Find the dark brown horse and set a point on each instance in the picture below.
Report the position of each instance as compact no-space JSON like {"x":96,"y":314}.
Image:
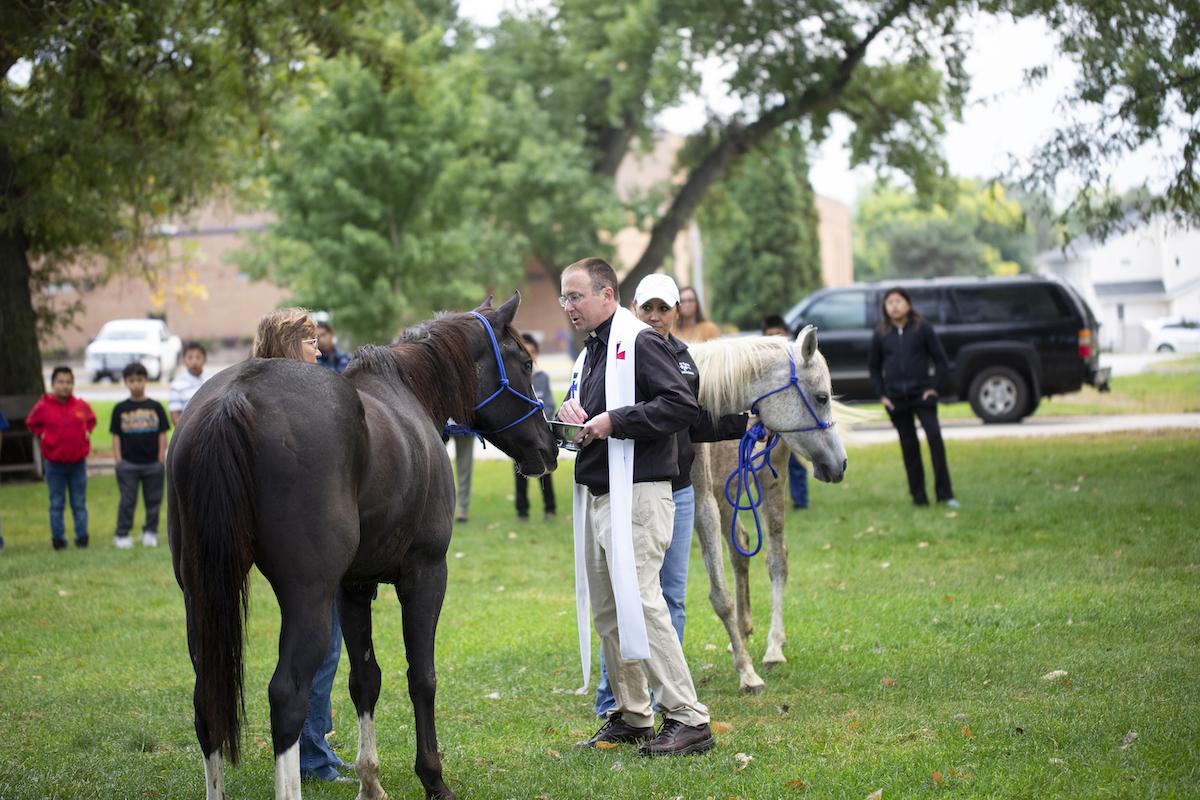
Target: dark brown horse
{"x":332,"y":484}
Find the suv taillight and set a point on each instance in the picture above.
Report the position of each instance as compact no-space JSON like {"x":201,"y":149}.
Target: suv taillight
{"x":1085,"y":343}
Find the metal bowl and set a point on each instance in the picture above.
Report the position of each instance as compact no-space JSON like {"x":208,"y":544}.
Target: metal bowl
{"x":565,"y":433}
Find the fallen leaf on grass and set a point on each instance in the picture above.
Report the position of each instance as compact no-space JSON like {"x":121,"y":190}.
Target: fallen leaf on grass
{"x":543,"y":796}
{"x":966,"y":731}
{"x":743,"y":760}
{"x":512,"y":534}
{"x":951,"y":514}
{"x":63,"y":593}
{"x":1055,"y":675}
{"x":885,"y":565}
{"x":796,"y":784}
{"x":876,"y":795}
{"x":1129,"y":739}
{"x":606,"y":745}
{"x":492,"y":696}
{"x":922,"y":544}
{"x":553,"y":753}
{"x":959,"y":717}
{"x":459,"y":554}
{"x":937,"y":778}
{"x":888,"y":681}
{"x":617,"y":766}
{"x":1057,"y":761}
{"x":721,"y":727}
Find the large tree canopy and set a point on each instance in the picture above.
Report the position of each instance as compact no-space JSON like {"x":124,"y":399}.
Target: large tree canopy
{"x":113,"y":115}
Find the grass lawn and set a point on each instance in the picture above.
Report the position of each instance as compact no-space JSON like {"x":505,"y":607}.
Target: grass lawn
{"x":920,"y":642}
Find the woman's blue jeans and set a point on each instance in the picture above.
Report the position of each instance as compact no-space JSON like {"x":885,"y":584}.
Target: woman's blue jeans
{"x":673,"y":579}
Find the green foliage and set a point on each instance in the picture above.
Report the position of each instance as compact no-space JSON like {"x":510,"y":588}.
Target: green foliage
{"x":981,"y":232}
{"x":759,"y":226}
{"x":1138,"y":85}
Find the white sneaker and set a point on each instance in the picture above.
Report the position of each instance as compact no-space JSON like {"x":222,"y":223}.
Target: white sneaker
{"x":123,"y":542}
{"x":952,"y":503}
{"x":149,"y":539}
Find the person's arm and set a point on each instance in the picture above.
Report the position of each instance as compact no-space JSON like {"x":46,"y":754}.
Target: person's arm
{"x":35,"y":422}
{"x":114,"y":427}
{"x":164,"y":425}
{"x":875,"y":365}
{"x":941,"y":364}
{"x":91,"y":418}
{"x":162,"y":447}
{"x":670,"y":405}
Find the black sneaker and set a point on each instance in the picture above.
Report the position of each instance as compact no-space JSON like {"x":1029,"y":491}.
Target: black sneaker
{"x":81,"y":541}
{"x":618,"y":731}
{"x":59,"y":544}
{"x":677,"y":739}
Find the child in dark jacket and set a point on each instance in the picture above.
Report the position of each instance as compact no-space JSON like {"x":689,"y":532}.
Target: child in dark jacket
{"x":139,"y":428}
{"x":62,"y":424}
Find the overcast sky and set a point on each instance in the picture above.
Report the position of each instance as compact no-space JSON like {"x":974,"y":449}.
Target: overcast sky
{"x":1004,"y":116}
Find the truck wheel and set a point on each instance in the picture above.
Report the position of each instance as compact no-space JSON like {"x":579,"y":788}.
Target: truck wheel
{"x":999,"y":394}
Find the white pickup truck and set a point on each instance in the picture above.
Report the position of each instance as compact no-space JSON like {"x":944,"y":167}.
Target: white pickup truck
{"x":124,"y":341}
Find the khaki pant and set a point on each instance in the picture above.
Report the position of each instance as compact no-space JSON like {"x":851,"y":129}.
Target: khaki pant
{"x":666,"y":671}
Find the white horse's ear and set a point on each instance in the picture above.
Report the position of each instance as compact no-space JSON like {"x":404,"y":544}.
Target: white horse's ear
{"x":806,"y":343}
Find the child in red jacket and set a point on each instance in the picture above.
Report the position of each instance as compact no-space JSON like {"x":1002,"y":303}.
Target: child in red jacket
{"x":62,"y":423}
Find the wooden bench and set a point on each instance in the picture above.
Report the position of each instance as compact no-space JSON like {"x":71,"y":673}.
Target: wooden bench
{"x":19,"y":450}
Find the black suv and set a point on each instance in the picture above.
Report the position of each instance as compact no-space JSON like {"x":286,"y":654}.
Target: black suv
{"x":1010,"y":341}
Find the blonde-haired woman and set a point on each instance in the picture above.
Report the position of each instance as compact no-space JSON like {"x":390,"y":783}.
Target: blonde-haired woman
{"x":287,"y":333}
{"x":292,"y":333}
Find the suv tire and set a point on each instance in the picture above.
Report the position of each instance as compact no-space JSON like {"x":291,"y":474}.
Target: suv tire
{"x":999,"y":394}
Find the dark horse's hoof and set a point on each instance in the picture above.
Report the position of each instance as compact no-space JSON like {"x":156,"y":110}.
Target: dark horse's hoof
{"x":441,"y":794}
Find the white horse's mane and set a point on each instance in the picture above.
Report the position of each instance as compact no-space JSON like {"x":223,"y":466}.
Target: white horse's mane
{"x":727,"y":366}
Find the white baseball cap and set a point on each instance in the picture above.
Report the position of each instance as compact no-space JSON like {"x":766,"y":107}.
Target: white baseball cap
{"x":661,"y":286}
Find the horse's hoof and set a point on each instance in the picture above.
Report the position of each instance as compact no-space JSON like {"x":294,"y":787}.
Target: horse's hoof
{"x":771,"y":660}
{"x":755,"y":686}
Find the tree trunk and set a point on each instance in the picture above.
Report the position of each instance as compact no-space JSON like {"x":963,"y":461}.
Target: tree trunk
{"x":20,"y":357}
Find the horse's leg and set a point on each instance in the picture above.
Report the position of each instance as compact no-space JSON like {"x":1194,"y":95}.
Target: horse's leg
{"x":741,"y":572}
{"x":306,"y":624}
{"x":421,"y":589}
{"x":777,"y":570}
{"x":214,"y":769}
{"x":354,"y":609}
{"x":708,"y":527}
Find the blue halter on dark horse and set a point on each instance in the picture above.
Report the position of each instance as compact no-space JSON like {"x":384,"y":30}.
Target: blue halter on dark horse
{"x":331,"y":485}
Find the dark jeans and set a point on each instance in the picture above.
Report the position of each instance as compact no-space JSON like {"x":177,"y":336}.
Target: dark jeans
{"x":797,"y":482}
{"x":548,"y":505}
{"x":61,"y":478}
{"x":150,"y":476}
{"x":910,"y":447}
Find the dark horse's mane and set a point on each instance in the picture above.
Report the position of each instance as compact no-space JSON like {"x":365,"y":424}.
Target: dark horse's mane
{"x":433,"y":359}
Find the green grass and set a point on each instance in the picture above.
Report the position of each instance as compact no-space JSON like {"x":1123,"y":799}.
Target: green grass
{"x":1069,"y":554}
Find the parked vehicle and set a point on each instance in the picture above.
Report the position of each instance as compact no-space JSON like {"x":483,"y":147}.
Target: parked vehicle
{"x":124,"y":341}
{"x":1174,"y":336}
{"x":1010,"y":341}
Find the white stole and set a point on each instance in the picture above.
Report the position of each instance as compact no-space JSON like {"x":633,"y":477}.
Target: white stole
{"x":619,"y":391}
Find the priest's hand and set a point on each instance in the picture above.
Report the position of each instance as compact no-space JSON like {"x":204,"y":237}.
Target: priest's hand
{"x":597,"y":428}
{"x":571,"y":411}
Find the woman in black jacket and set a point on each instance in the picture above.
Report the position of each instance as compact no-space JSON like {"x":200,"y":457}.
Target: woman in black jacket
{"x":901,"y":351}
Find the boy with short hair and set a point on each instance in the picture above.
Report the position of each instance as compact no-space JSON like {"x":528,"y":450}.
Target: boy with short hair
{"x":63,"y":423}
{"x":190,"y":380}
{"x":139,"y":428}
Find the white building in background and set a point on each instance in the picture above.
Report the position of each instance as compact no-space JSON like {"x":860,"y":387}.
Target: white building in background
{"x":1150,"y":273}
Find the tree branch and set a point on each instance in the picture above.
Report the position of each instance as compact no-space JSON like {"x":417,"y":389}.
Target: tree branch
{"x":738,"y":140}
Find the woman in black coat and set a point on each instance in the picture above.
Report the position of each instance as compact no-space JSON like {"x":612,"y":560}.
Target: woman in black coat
{"x":902,"y":349}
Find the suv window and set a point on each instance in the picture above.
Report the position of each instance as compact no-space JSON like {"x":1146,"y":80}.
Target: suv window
{"x":1014,"y":303}
{"x":838,"y":311}
{"x":928,"y":303}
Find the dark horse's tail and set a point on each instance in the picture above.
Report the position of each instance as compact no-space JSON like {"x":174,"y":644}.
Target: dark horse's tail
{"x":214,"y":480}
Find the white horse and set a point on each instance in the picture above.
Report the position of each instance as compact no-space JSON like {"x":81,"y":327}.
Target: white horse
{"x":788,"y":384}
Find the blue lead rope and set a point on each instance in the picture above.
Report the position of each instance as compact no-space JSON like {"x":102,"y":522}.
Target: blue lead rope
{"x":746,"y":477}
{"x":751,"y":463}
{"x":455,"y":429}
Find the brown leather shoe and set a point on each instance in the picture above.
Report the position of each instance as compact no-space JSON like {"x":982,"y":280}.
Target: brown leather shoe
{"x":618,"y":731}
{"x":677,"y":739}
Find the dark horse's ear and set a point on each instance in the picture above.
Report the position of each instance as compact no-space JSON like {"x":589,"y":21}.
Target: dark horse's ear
{"x":505,"y":313}
{"x":486,"y":304}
